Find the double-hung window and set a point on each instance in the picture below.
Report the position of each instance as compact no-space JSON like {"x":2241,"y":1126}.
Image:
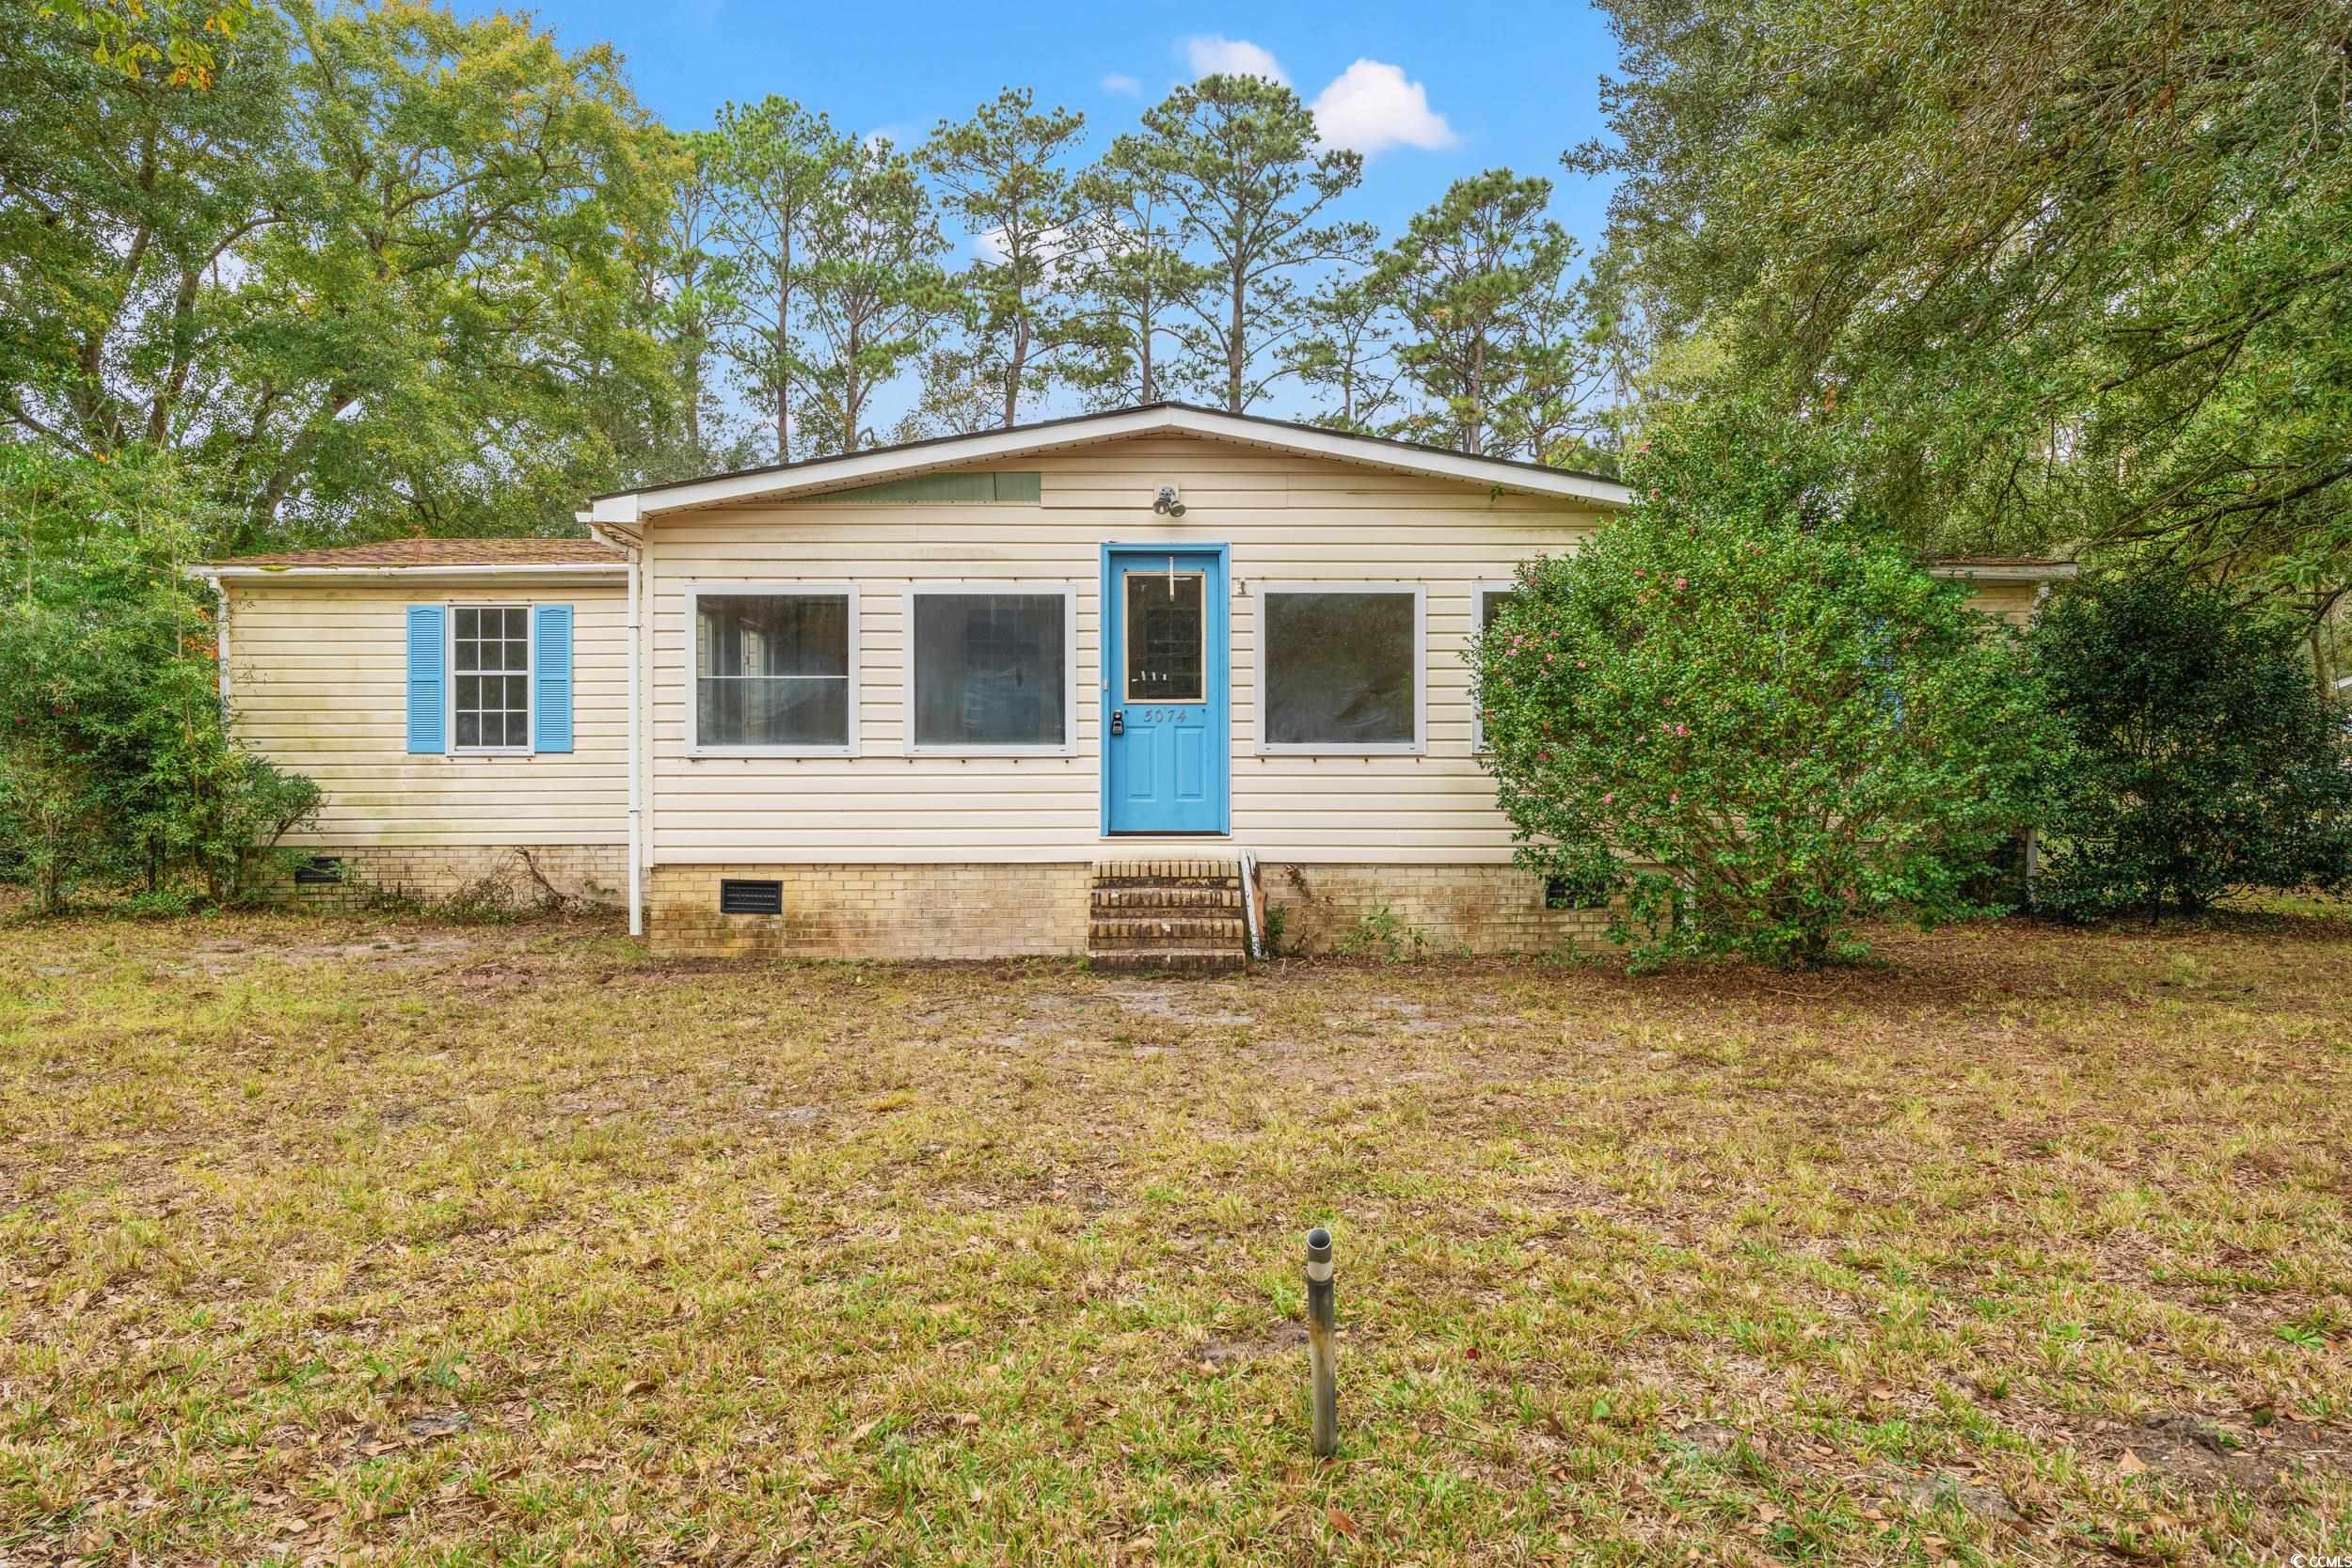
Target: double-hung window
{"x":775,"y":670}
{"x":490,"y":697}
{"x":990,"y":668}
{"x":1487,"y":599}
{"x":1339,"y":669}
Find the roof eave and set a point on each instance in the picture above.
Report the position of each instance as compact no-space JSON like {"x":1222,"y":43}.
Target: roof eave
{"x":637,"y":506}
{"x":2014,"y":571}
{"x":537,"y":570}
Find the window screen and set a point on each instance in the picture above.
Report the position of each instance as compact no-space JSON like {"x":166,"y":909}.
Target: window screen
{"x":1490,"y":605}
{"x":771,"y":670}
{"x":1493,"y":599}
{"x":491,"y":649}
{"x":990,"y":670}
{"x":1342,"y":668}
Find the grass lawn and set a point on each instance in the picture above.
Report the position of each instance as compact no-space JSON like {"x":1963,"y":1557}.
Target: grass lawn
{"x":349,"y":1239}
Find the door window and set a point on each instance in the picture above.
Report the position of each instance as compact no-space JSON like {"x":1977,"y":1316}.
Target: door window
{"x":1165,"y":637}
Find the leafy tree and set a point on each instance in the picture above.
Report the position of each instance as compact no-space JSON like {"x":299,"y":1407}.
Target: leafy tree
{"x":1001,"y":174}
{"x":684,"y":292}
{"x":954,"y":396}
{"x":361,"y":280}
{"x":1482,"y":279}
{"x":773,"y":167}
{"x":1346,"y":351}
{"x":1238,"y":158}
{"x":116,"y":761}
{"x":1747,"y":714}
{"x":135,"y":36}
{"x":876,"y":292}
{"x":2205,"y":763}
{"x":2074,"y":272}
{"x":1133,"y":279}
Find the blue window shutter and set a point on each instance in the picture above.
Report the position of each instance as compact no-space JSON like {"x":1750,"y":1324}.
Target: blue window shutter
{"x":551,"y":678}
{"x":428,"y":698}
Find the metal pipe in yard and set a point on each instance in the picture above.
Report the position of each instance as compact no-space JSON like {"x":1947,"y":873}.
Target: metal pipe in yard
{"x":1322,"y":1353}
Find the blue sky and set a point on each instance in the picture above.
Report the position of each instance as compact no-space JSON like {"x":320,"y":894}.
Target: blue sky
{"x":1431,"y":92}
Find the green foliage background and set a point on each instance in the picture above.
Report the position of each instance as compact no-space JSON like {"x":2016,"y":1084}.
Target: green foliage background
{"x":116,"y":762}
{"x":2204,"y":761}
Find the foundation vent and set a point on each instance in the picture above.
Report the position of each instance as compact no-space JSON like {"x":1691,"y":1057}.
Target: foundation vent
{"x":741,"y":897}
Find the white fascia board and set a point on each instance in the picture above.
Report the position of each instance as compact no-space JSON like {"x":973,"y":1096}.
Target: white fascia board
{"x":996,"y":446}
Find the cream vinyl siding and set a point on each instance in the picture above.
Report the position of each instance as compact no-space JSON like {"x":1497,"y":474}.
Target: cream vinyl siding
{"x":318,"y":683}
{"x":1287,"y":518}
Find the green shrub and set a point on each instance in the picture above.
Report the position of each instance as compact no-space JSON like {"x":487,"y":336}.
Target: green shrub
{"x":1752,"y":718}
{"x":117,"y":766}
{"x":2204,"y":761}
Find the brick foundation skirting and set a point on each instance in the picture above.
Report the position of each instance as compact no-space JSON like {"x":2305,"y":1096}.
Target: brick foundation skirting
{"x":1000,"y":911}
{"x":1408,"y":910}
{"x":876,"y":911}
{"x":519,"y":876}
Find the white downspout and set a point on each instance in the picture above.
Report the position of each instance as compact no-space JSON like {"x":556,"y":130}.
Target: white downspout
{"x":632,"y":554}
{"x":636,"y":815}
{"x":220,"y":592}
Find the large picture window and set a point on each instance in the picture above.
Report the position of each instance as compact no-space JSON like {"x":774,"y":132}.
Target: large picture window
{"x":490,"y":697}
{"x":1339,"y":667}
{"x":990,"y":670}
{"x":774,"y":670}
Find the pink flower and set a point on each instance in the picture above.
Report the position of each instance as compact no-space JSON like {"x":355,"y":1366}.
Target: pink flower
{"x":1675,"y":799}
{"x":1682,"y":583}
{"x":1609,"y":797}
{"x":1682,"y":729}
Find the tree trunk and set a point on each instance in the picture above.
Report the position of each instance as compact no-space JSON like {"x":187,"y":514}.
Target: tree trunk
{"x":1143,"y":352}
{"x":1233,"y":349}
{"x":1013,"y":371}
{"x":783,"y":341}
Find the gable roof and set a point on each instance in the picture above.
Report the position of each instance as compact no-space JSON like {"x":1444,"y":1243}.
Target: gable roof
{"x":541,"y":561}
{"x":441,"y":552}
{"x":1155,"y":419}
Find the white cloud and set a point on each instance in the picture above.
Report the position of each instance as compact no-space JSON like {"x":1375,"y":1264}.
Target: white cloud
{"x":1213,"y":55}
{"x":1122,"y":83}
{"x":898,"y":134}
{"x":1371,"y":107}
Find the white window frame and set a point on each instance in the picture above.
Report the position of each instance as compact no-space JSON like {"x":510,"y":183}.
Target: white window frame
{"x":695,"y":592}
{"x":1418,"y":746}
{"x":1009,"y":588}
{"x":530,"y":672}
{"x":1480,"y":592}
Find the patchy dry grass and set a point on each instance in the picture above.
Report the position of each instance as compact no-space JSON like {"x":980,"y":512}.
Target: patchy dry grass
{"x":349,"y":1240}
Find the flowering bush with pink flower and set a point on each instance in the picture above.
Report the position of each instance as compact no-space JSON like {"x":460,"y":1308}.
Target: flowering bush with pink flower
{"x":1749,"y":718}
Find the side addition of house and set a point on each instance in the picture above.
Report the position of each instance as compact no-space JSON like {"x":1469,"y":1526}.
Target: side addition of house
{"x":1081,"y":686}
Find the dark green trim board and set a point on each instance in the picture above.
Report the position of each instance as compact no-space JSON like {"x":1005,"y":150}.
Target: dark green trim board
{"x":950,"y":489}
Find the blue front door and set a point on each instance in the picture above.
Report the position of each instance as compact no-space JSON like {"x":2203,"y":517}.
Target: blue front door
{"x":1166,"y":738}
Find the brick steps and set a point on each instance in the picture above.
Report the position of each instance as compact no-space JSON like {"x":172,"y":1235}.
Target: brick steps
{"x":1181,"y":916}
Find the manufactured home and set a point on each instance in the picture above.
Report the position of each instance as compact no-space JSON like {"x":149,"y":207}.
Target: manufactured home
{"x":1117,"y":684}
